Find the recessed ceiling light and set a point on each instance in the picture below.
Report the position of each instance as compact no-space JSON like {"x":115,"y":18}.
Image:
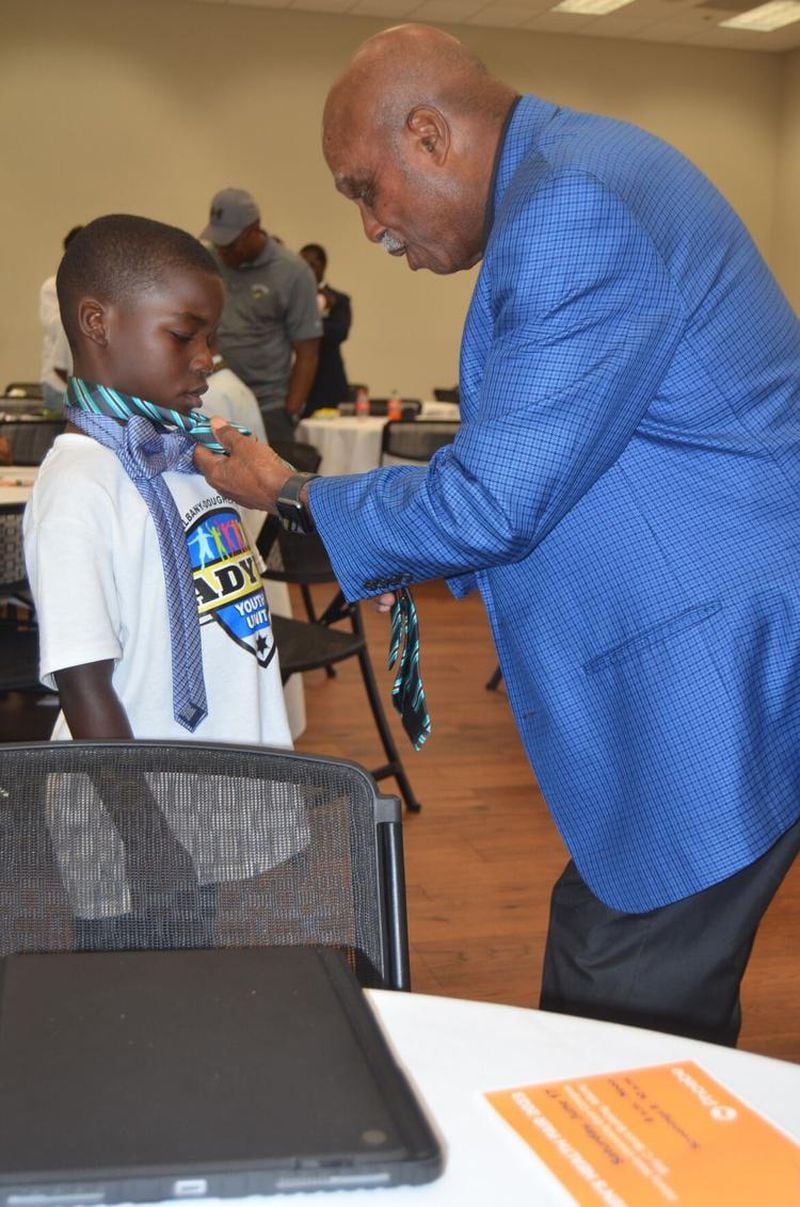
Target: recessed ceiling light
{"x":766,"y":17}
{"x":591,"y":8}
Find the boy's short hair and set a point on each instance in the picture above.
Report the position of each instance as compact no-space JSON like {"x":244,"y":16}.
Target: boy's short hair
{"x":119,"y":255}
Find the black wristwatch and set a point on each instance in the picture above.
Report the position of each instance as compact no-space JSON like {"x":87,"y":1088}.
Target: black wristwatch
{"x":293,"y":514}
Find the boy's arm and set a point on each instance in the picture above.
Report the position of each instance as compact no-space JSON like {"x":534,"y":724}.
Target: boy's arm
{"x":92,"y":708}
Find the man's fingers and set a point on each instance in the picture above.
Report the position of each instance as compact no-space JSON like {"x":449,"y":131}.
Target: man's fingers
{"x":224,"y":433}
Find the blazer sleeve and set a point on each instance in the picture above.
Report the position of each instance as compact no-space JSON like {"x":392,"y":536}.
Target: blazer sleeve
{"x":585,"y":320}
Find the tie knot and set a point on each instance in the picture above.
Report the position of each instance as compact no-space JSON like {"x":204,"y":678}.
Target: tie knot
{"x":146,"y":452}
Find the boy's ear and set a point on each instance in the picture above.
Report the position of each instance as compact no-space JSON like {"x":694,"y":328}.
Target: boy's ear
{"x":93,"y":321}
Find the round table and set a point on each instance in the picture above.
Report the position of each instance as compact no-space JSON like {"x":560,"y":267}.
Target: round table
{"x":347,"y":444}
{"x":455,"y":1051}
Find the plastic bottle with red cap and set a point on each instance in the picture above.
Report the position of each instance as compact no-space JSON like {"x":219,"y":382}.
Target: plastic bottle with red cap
{"x":362,"y":402}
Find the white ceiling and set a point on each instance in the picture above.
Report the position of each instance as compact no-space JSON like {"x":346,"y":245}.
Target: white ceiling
{"x":688,"y":22}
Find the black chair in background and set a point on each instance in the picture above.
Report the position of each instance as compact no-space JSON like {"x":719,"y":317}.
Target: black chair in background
{"x":31,"y":438}
{"x":493,"y":683}
{"x":300,"y":455}
{"x":83,"y":822}
{"x":19,"y":637}
{"x":307,"y":459}
{"x":24,"y":389}
{"x":414,"y":440}
{"x":316,"y":643}
{"x":447,"y":395}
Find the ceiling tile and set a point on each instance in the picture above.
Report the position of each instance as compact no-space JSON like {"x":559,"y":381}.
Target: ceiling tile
{"x":682,"y":22}
{"x":503,"y":15}
{"x":558,"y":23}
{"x":447,"y":10}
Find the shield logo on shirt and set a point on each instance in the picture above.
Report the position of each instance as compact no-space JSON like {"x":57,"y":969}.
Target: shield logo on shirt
{"x":227,"y":582}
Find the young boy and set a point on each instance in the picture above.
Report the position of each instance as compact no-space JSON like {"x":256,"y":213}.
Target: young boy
{"x":152,"y":616}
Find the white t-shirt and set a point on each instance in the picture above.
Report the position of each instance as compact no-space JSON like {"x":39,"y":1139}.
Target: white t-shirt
{"x":94,"y":567}
{"x":55,"y":348}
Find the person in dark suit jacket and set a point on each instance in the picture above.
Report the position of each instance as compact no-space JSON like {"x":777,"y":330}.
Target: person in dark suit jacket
{"x":330,"y":384}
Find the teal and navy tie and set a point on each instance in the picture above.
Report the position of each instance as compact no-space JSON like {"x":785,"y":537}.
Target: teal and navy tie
{"x":408,"y":695}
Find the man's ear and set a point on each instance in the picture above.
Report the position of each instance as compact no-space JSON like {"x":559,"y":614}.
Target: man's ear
{"x":431,"y":132}
{"x":93,"y":321}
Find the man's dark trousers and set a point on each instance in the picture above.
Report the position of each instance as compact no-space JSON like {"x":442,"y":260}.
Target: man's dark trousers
{"x":676,"y":969}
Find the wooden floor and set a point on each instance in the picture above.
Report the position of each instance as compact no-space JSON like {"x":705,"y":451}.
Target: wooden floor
{"x":483,"y":853}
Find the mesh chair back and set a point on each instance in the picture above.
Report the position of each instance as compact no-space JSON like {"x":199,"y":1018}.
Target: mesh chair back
{"x":415,"y":440}
{"x":31,"y":438}
{"x":12,"y":559}
{"x":111,"y":845}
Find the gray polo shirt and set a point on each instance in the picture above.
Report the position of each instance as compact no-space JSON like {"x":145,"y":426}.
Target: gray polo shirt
{"x":271,"y":302}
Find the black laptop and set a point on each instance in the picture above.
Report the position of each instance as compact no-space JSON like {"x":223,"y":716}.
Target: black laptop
{"x":137,"y":1076}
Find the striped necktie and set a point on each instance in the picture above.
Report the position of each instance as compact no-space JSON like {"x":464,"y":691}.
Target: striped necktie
{"x":149,"y":440}
{"x":105,"y":400}
{"x":408,"y":694}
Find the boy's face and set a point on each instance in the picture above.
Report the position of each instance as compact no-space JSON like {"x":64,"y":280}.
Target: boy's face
{"x":159,"y":342}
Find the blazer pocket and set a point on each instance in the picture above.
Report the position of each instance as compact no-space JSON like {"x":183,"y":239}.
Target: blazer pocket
{"x":656,"y":635}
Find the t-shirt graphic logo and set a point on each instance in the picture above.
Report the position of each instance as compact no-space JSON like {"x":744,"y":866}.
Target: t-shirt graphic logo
{"x":217,"y":213}
{"x":227,"y":582}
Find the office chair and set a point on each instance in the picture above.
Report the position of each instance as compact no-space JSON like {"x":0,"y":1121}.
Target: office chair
{"x":31,"y":438}
{"x":415,"y":440}
{"x":192,"y":845}
{"x":316,"y":643}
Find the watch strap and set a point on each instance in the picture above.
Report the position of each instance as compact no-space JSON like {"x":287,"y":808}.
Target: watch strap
{"x":294,"y":514}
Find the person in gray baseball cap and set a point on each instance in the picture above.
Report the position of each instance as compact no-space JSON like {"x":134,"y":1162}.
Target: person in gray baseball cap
{"x":270,"y":328}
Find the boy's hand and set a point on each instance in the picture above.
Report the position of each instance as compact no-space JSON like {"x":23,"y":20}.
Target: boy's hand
{"x":252,"y":474}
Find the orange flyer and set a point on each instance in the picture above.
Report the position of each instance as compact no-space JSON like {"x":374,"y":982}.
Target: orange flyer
{"x":653,"y":1137}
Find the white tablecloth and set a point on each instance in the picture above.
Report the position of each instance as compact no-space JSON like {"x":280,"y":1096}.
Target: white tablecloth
{"x":347,"y":444}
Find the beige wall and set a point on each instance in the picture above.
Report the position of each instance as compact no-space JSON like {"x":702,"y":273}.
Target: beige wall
{"x":149,"y":106}
{"x":786,"y":251}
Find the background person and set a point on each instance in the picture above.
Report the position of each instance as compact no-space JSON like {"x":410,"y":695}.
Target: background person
{"x":228,"y":396}
{"x":271,"y":326}
{"x":624,"y":490}
{"x":56,"y":360}
{"x":330,"y":384}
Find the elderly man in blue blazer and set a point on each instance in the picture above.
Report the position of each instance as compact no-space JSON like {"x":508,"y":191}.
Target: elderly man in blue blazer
{"x":624,"y":491}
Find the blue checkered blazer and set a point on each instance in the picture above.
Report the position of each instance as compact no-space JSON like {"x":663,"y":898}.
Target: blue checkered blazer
{"x":625,"y":492}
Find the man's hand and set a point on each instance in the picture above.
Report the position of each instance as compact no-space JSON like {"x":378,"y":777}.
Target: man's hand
{"x":251,"y":475}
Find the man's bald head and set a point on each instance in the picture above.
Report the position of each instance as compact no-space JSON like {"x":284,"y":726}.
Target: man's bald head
{"x":409,"y":132}
{"x":410,"y":65}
